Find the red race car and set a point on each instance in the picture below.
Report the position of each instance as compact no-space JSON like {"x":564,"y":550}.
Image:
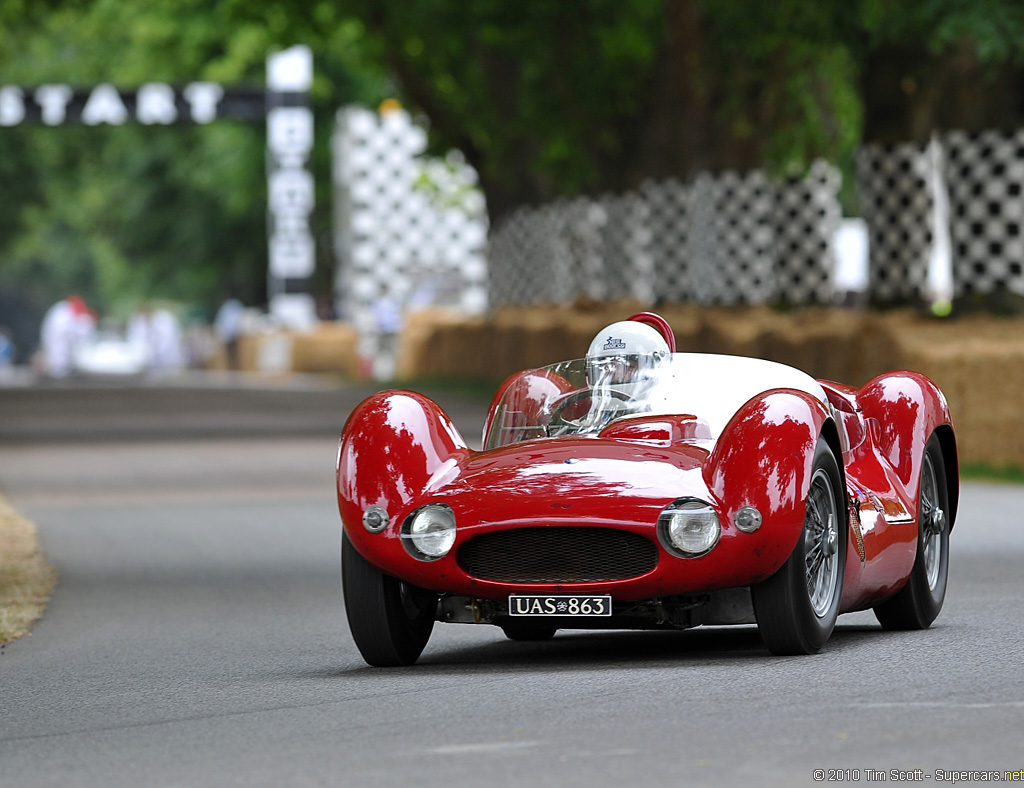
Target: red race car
{"x":642,"y":488}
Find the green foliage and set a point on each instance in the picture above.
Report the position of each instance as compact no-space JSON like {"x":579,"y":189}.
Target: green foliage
{"x":787,"y":79}
{"x":125,"y":214}
{"x":994,"y":28}
{"x":132,"y":213}
{"x":544,"y":98}
{"x":533,"y":93}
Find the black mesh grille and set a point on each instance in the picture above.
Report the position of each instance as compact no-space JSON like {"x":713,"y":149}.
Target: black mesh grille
{"x":558,"y":555}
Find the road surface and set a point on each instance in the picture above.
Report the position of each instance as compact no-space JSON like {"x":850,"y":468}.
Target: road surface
{"x":197,"y":638}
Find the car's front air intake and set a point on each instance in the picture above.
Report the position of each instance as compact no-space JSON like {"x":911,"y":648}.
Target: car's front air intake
{"x":558,"y":554}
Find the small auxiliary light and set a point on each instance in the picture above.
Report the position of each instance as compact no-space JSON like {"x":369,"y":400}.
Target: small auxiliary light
{"x":375,"y":519}
{"x":748,"y":519}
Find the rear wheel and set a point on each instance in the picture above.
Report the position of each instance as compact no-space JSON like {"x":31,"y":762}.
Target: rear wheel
{"x":390,"y":620}
{"x":917,"y":604}
{"x":797,"y":607}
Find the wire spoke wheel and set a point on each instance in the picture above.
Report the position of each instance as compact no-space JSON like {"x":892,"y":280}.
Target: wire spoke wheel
{"x":797,"y":607}
{"x":917,"y":604}
{"x":821,"y":543}
{"x":933,"y":517}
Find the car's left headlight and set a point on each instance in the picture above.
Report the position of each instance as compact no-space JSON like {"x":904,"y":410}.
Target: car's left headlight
{"x":429,"y":532}
{"x":688,"y":527}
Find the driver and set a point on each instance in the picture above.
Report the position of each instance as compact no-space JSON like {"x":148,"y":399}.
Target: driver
{"x":622,"y":364}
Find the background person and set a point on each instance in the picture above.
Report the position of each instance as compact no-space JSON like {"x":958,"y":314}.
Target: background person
{"x":387,"y":323}
{"x":227,"y":326}
{"x":66,"y":325}
{"x":158,"y":333}
{"x":7,"y":352}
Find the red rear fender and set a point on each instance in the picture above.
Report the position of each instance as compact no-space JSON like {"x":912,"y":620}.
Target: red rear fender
{"x":905,"y":409}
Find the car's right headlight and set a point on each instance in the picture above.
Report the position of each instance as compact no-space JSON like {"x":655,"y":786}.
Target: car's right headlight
{"x":689,"y":527}
{"x":429,"y":532}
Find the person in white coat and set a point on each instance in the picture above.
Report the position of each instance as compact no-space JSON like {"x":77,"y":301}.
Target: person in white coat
{"x":66,"y":325}
{"x":158,"y":334}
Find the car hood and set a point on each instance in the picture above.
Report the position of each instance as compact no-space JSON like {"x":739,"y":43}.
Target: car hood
{"x":574,"y":480}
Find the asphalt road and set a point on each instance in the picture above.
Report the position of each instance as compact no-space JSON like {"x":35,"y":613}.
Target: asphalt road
{"x":197,"y":638}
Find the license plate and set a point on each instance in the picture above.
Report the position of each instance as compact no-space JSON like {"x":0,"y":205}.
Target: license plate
{"x":573,"y":606}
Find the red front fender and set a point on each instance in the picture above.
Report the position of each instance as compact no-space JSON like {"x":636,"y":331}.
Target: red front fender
{"x":764,"y":458}
{"x":394,"y":446}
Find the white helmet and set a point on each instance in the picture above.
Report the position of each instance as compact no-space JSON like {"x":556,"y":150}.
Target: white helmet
{"x":623,"y":357}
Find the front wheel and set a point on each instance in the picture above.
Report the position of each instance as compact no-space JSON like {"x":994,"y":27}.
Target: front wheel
{"x":917,"y":604}
{"x":797,"y":607}
{"x":390,"y":620}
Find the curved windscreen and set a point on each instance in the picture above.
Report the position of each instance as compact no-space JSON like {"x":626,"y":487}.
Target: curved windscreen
{"x":574,"y":398}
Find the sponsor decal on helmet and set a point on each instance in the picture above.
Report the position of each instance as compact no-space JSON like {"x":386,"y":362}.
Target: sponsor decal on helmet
{"x":614,"y":344}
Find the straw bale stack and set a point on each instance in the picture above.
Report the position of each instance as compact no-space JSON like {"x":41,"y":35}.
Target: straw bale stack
{"x":978,"y":361}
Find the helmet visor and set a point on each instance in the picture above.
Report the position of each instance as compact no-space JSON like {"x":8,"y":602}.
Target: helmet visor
{"x":614,"y":370}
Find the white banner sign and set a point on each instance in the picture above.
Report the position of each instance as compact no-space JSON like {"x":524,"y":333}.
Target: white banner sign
{"x":154,"y":103}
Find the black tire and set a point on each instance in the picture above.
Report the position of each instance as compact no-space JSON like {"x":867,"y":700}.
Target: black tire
{"x":516,"y":629}
{"x":390,"y":620}
{"x":792,"y":616}
{"x":917,"y":604}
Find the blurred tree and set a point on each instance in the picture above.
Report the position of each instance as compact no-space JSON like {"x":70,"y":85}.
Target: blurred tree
{"x":545,"y":98}
{"x":556,"y":97}
{"x":549,"y":97}
{"x":940,"y":64}
{"x":125,"y":214}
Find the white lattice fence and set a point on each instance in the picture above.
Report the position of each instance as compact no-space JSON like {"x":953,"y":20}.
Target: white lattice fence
{"x":731,"y":238}
{"x":411,"y":226}
{"x":985,"y":181}
{"x":981,"y":176}
{"x":528,"y":236}
{"x":668,"y":237}
{"x":805,"y":217}
{"x":725,"y":239}
{"x":897,"y":203}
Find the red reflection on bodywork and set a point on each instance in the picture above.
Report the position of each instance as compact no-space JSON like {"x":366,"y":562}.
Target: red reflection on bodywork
{"x":764,"y":457}
{"x":768,"y":437}
{"x":391,"y":446}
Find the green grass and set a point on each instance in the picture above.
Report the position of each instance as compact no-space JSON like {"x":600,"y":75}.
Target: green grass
{"x":983,"y":472}
{"x":480,"y":390}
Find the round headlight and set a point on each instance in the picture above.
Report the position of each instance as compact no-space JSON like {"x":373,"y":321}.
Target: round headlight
{"x":747,"y":519}
{"x":689,"y":528}
{"x":431,"y":531}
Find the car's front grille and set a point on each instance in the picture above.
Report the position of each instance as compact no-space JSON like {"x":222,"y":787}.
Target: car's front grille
{"x":558,"y":554}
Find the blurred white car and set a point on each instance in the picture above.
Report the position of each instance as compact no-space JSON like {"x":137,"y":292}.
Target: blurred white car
{"x":108,"y":353}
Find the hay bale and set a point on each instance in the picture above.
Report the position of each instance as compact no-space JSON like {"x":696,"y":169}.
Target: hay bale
{"x":249,"y":351}
{"x":329,"y":347}
{"x":420,"y":345}
{"x":825,"y":343}
{"x":977,"y":361}
{"x":982,"y":379}
{"x":686,"y":325}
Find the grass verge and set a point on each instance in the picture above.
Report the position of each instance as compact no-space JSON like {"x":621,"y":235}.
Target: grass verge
{"x":26,"y":579}
{"x":981,"y":472}
{"x":477,"y":389}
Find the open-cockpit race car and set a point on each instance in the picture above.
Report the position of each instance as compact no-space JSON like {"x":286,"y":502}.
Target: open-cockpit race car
{"x":641,"y":488}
